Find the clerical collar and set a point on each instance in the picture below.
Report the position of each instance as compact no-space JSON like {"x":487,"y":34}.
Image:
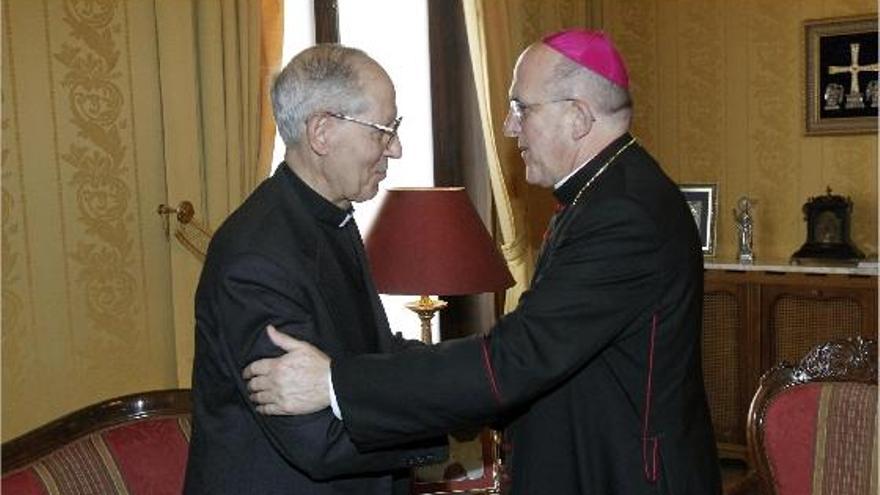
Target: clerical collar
{"x":569,"y":186}
{"x":318,"y":205}
{"x":570,"y":174}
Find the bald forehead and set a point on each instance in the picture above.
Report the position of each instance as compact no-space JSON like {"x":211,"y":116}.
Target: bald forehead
{"x":534,"y":68}
{"x":369,"y":70}
{"x":538,"y":55}
{"x":378,"y":88}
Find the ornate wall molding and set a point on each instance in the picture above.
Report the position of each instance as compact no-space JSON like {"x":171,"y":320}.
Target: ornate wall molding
{"x":97,"y":162}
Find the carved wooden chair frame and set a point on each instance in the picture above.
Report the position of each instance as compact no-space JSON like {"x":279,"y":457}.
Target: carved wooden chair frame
{"x":850,"y":360}
{"x":33,"y":445}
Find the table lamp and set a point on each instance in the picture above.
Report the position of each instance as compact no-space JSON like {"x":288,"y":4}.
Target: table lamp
{"x":431,"y":241}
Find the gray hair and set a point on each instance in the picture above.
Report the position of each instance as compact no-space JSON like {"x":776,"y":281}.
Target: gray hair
{"x":323,"y":78}
{"x":605,"y":97}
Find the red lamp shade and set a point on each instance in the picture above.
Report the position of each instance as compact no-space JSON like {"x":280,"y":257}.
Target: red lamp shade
{"x":431,"y":241}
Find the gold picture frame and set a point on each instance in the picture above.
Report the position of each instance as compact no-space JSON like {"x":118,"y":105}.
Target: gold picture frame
{"x":474,"y":467}
{"x":841,"y":75}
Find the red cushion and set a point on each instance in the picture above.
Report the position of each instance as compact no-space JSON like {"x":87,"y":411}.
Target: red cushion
{"x":789,"y":438}
{"x":139,"y":457}
{"x":23,"y":482}
{"x":151,"y":455}
{"x":820,"y":438}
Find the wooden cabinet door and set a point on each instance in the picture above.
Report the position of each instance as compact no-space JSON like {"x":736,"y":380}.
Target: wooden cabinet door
{"x":754,"y":320}
{"x":798,"y":316}
{"x":724,"y":346}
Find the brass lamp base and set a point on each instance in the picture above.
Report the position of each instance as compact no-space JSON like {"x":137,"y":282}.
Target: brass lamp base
{"x":425,"y":307}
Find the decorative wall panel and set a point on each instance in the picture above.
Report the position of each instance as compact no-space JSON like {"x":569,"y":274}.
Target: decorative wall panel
{"x":700,"y":81}
{"x":16,"y":288}
{"x":636,"y":38}
{"x":85,"y":297}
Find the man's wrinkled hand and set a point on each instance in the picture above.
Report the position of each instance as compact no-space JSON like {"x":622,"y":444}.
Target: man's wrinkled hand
{"x":292,"y":384}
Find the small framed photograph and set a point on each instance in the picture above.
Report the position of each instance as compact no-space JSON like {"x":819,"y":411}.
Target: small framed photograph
{"x":841,"y":79}
{"x":473,"y":467}
{"x":702,"y":199}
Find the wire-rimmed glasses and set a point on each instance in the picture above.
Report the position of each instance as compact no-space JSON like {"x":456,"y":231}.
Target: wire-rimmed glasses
{"x":389,"y":131}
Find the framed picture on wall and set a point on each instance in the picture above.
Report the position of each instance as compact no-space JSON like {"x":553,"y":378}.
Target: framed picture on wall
{"x":473,"y":467}
{"x":702,"y":199}
{"x":842,"y":91}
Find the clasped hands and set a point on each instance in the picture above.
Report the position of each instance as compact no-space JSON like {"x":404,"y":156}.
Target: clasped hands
{"x":292,"y":384}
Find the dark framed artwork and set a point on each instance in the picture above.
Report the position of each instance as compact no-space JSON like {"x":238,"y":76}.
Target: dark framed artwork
{"x":702,"y":200}
{"x":473,"y":467}
{"x":841,"y":79}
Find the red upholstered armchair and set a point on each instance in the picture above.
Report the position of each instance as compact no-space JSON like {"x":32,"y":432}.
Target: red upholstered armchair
{"x":136,"y":444}
{"x":812,"y":428}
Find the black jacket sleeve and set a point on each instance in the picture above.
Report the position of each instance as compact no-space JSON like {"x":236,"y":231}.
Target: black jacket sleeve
{"x":253,"y":292}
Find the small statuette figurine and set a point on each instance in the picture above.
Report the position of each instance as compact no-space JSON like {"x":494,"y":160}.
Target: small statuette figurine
{"x":744,"y":224}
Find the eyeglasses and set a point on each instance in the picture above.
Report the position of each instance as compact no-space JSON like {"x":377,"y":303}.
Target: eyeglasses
{"x":389,"y":131}
{"x":518,"y":109}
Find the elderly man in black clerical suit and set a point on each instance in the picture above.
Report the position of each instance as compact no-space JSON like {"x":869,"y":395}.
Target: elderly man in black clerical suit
{"x":596,"y":375}
{"x":292,"y":256}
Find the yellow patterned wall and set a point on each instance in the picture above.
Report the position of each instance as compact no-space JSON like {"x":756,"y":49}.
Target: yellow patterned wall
{"x":719,"y":90}
{"x":85,"y":290}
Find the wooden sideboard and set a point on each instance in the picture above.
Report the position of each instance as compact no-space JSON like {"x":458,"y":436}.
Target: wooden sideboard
{"x":755,"y":316}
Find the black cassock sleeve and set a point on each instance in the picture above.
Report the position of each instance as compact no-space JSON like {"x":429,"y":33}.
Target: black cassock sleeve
{"x":253,"y":292}
{"x":602,"y":277}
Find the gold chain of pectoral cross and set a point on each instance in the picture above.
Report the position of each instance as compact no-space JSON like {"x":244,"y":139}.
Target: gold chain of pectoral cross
{"x":601,"y":170}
